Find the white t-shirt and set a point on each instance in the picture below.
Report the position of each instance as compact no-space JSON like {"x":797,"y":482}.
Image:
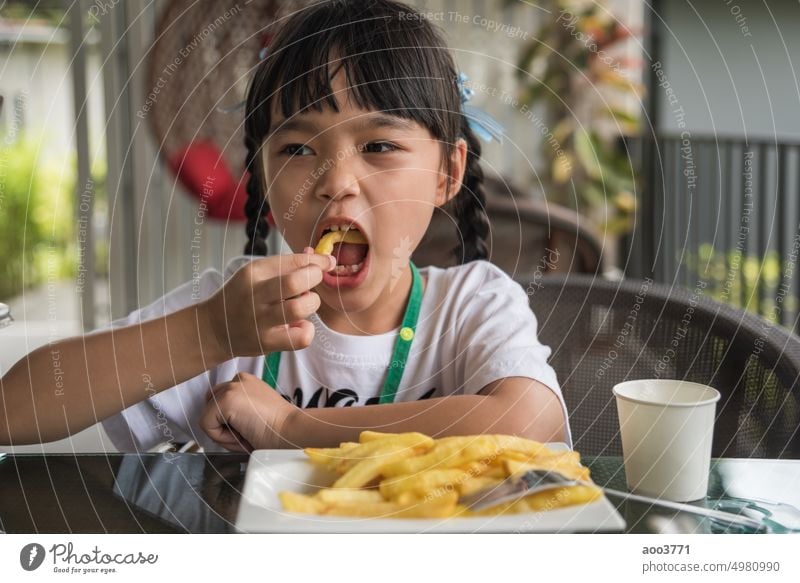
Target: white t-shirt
{"x":475,"y":326}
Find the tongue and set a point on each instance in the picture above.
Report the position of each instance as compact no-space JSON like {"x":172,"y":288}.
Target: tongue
{"x":349,"y":253}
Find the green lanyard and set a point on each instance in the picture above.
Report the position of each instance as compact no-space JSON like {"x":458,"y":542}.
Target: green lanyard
{"x":402,"y":345}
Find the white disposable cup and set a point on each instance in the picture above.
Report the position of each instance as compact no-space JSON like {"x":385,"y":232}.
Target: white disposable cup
{"x":667,"y":427}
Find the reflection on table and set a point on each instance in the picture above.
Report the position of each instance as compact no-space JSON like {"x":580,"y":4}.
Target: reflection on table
{"x":200,"y":493}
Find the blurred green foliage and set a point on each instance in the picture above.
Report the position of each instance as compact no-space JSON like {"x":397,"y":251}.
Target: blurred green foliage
{"x":37,"y":217}
{"x":573,"y":69}
{"x":749,"y":282}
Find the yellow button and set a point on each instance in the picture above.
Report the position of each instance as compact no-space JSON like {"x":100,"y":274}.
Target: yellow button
{"x":406,"y":334}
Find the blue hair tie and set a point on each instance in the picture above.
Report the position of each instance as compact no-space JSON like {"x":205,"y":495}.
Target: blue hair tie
{"x":481,"y":123}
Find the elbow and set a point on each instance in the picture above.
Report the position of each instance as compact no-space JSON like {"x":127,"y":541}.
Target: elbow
{"x":530,"y":410}
{"x":19,"y":423}
{"x":7,"y":430}
{"x":537,"y":425}
{"x":10,"y":433}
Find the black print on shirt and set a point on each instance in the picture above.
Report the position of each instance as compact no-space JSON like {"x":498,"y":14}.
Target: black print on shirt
{"x":324,"y":397}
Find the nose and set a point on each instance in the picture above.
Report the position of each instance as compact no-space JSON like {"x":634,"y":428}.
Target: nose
{"x":337,"y":179}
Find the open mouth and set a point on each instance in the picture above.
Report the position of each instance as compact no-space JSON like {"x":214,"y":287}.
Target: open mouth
{"x":350,"y":248}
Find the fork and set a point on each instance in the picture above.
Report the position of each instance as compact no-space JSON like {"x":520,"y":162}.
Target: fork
{"x":534,"y":481}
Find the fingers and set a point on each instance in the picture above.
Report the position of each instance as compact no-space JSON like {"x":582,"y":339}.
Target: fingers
{"x":289,"y":285}
{"x":242,"y":377}
{"x":295,"y":336}
{"x":237,"y":442}
{"x":278,"y":265}
{"x":216,"y":423}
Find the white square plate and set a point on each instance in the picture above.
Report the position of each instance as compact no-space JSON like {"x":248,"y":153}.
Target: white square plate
{"x":271,"y":471}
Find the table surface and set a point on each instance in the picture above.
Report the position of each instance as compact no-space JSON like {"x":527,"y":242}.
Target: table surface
{"x":200,"y":493}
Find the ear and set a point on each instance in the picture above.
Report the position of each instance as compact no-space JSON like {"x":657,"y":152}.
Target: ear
{"x":456,"y":178}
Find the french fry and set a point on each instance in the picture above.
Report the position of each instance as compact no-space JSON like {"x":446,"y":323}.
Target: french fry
{"x":329,"y":457}
{"x":326,"y":243}
{"x":422,"y":483}
{"x":545,"y":501}
{"x":418,"y":441}
{"x":300,"y":503}
{"x":419,"y":477}
{"x":367,"y":436}
{"x":333,"y":496}
{"x":406,"y":498}
{"x":454,"y":452}
{"x":367,"y":470}
{"x":384,"y":509}
{"x":562,"y":466}
{"x":478,"y":483}
{"x":441,"y":507}
{"x":560,"y":497}
{"x":493,"y":472}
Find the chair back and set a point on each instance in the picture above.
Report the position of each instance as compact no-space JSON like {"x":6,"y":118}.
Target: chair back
{"x":605,"y":332}
{"x":525,"y":236}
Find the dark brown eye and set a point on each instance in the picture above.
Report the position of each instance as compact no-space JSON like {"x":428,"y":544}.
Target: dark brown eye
{"x":292,"y":149}
{"x":370,"y":148}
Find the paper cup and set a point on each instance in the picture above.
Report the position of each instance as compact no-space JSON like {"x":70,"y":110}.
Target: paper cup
{"x":667,"y":427}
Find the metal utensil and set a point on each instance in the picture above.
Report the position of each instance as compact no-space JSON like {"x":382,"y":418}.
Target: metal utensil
{"x":5,"y":316}
{"x":534,"y":481}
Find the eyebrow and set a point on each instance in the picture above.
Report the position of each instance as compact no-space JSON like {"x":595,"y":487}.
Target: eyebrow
{"x":375,"y":121}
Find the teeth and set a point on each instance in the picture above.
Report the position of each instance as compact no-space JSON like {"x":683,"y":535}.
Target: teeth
{"x":348,"y":269}
{"x":340,"y":228}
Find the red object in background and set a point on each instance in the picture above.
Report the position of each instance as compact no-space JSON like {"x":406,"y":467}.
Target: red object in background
{"x":203,"y":171}
{"x":200,"y":134}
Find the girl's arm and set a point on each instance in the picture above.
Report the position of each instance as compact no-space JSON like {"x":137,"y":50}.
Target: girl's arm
{"x":246,"y":413}
{"x":64,"y":387}
{"x":515,"y":406}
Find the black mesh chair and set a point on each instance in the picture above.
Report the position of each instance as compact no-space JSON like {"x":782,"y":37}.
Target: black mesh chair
{"x":604,"y":332}
{"x":526,"y":235}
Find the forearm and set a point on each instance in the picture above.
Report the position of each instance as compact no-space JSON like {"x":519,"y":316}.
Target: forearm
{"x":535,"y":416}
{"x":66,"y":386}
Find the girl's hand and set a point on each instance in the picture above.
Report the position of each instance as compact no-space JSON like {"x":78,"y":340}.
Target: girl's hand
{"x":246,"y":414}
{"x":264,"y":306}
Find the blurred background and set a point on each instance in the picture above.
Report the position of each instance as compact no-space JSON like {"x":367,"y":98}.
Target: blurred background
{"x":645,"y":140}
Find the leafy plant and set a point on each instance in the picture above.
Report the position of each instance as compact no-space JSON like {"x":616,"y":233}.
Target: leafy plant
{"x":37,"y":226}
{"x":746,"y":281}
{"x":19,"y":177}
{"x":569,"y":70}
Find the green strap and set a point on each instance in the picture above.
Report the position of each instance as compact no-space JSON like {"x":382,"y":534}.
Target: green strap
{"x":271,"y":365}
{"x":402,"y":345}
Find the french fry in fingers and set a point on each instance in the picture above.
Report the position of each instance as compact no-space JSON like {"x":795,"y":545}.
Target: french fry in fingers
{"x":326,"y":243}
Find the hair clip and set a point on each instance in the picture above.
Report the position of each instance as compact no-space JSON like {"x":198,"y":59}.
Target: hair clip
{"x":484,"y":125}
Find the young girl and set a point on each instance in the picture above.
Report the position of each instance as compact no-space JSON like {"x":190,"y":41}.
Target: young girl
{"x":353,"y":123}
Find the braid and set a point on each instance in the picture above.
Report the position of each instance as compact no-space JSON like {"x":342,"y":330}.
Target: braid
{"x":256,"y":207}
{"x":470,"y":204}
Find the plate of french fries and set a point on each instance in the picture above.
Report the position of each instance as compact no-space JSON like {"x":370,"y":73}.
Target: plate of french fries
{"x":410,"y":482}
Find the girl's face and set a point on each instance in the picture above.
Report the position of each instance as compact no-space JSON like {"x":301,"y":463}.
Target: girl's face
{"x":368,"y":170}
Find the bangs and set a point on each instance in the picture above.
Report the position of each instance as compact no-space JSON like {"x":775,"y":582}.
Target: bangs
{"x":393,"y":62}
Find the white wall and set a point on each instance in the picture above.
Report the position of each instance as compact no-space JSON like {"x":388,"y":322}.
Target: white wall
{"x":731,"y":80}
{"x":40,"y":73}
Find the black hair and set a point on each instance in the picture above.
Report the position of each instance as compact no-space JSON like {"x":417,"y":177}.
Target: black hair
{"x":395,"y":61}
